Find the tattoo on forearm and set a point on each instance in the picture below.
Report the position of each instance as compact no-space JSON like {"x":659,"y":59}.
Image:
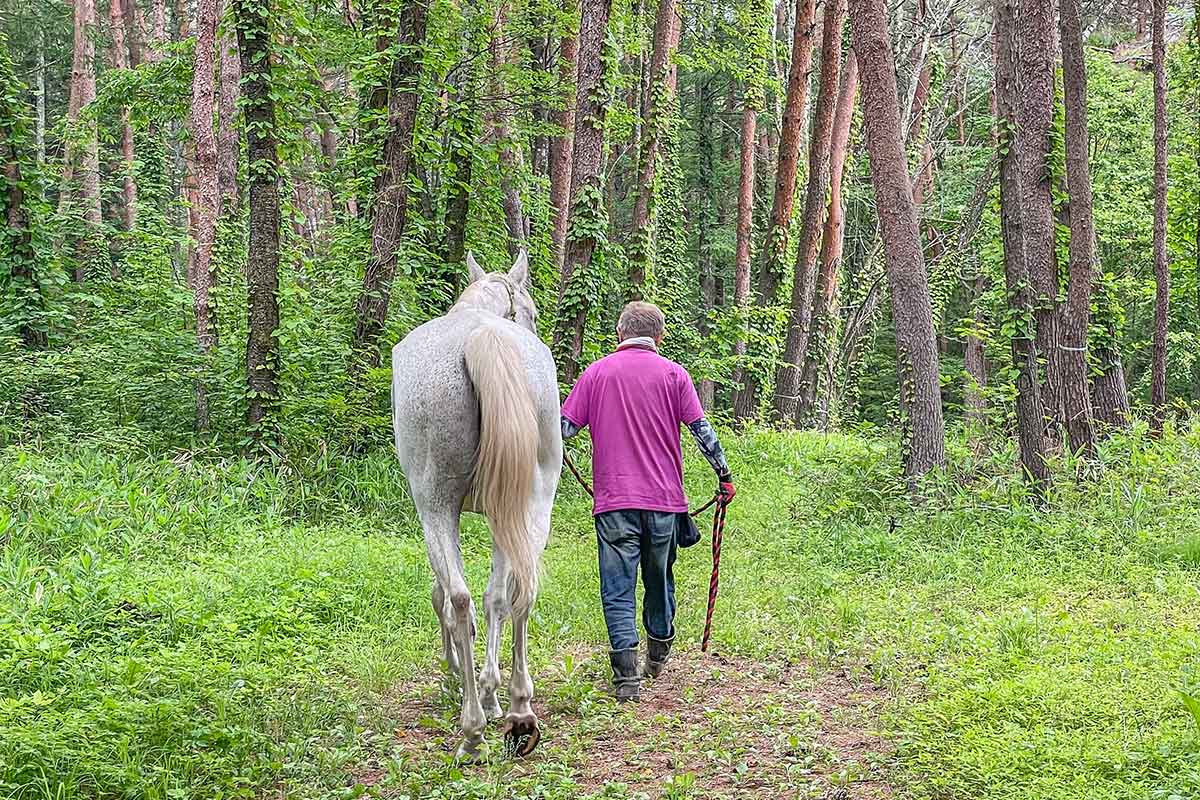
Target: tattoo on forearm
{"x":710,"y":446}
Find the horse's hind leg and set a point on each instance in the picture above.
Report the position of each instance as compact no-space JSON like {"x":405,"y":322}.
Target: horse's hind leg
{"x":439,"y":607}
{"x":521,"y":730}
{"x":458,"y":615}
{"x":496,"y":608}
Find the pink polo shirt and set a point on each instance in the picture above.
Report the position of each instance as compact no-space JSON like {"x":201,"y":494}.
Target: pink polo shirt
{"x":634,"y":401}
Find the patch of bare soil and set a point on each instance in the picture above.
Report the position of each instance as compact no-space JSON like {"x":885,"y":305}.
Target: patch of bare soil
{"x":715,"y":726}
{"x":710,"y":726}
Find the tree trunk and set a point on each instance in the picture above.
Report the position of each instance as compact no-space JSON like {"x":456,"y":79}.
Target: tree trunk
{"x":774,"y":248}
{"x":820,"y":346}
{"x":657,"y":105}
{"x":229,"y":141}
{"x":206,"y":196}
{"x":587,"y":211}
{"x":1035,"y":115}
{"x":253,"y":19}
{"x":499,"y":123}
{"x":39,"y":120}
{"x":745,"y":224}
{"x":1016,"y":270}
{"x":1162,"y":272}
{"x":543,"y":62}
{"x":975,"y":364}
{"x":705,"y":185}
{"x":912,"y":309}
{"x":17,"y":236}
{"x":81,"y":162}
{"x":560,"y":148}
{"x":391,"y":192}
{"x":120,"y":60}
{"x":787,"y":375}
{"x":1074,"y":322}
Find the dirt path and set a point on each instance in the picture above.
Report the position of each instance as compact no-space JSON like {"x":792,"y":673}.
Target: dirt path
{"x":710,"y":727}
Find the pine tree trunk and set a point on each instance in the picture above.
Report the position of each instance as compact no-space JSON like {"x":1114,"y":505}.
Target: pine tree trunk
{"x":229,"y":135}
{"x":499,"y":123}
{"x":816,"y":355}
{"x":657,"y":106}
{"x":774,"y":248}
{"x":206,"y":196}
{"x":81,"y":163}
{"x":391,"y":192}
{"x":912,"y":308}
{"x":253,"y":19}
{"x":1016,"y":270}
{"x":561,"y":146}
{"x":1162,"y":272}
{"x":121,"y":60}
{"x":587,"y":211}
{"x":706,"y":185}
{"x":745,"y":223}
{"x":1035,"y":115}
{"x":787,"y":375}
{"x":1074,"y":322}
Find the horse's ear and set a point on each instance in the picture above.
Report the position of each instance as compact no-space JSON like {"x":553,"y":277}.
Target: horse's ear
{"x":519,"y":274}
{"x":473,"y":269}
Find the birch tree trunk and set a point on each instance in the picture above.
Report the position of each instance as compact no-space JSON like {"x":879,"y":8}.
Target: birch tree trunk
{"x":912,"y":309}
{"x":1074,"y":322}
{"x":262,"y":266}
{"x":1162,"y":272}
{"x":391,"y":192}
{"x":587,"y":211}
{"x":787,"y":375}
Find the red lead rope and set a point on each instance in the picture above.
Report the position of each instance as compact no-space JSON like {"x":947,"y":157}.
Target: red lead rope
{"x":717,"y":535}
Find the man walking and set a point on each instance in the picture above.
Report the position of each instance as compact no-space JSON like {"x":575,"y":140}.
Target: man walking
{"x":634,"y":401}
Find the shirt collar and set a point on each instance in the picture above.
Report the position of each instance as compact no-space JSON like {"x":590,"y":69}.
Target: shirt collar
{"x":641,"y":342}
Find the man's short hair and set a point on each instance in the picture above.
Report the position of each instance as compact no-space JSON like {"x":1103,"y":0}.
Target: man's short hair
{"x":641,"y":319}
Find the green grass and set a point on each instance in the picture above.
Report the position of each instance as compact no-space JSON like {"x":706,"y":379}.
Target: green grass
{"x":196,"y":628}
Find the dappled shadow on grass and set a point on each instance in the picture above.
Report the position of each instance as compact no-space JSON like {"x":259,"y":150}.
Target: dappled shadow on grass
{"x":711,"y":726}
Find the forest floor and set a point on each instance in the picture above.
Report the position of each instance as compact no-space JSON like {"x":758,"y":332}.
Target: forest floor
{"x":184,"y":627}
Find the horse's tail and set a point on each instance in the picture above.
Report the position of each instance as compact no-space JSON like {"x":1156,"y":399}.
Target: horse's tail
{"x":508,"y":451}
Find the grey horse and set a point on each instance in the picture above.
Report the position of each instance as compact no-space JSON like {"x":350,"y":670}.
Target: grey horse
{"x":475,"y":412}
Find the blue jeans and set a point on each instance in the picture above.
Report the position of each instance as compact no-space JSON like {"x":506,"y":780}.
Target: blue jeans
{"x":626,"y":538}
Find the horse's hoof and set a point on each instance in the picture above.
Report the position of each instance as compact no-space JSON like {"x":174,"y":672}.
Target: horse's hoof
{"x":492,"y":709}
{"x":468,"y":751}
{"x":521,"y":735}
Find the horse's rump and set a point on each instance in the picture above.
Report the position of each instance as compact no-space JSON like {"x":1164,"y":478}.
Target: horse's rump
{"x":503,"y":479}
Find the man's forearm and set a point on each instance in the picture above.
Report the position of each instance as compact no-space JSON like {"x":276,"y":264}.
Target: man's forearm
{"x":569,"y":428}
{"x":710,"y":447}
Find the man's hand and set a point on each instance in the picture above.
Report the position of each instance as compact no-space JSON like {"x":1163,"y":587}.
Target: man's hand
{"x":726,"y":491}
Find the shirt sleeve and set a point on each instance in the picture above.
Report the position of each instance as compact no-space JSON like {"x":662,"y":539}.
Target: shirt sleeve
{"x":577,"y":407}
{"x":690,"y":409}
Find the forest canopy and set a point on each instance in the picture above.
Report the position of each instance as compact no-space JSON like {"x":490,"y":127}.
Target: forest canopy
{"x":220,"y":215}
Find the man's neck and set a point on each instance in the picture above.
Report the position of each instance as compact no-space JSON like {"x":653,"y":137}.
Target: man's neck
{"x":642,"y":342}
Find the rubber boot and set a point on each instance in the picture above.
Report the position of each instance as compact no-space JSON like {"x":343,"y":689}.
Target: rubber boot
{"x":627,"y":682}
{"x":657,"y":653}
